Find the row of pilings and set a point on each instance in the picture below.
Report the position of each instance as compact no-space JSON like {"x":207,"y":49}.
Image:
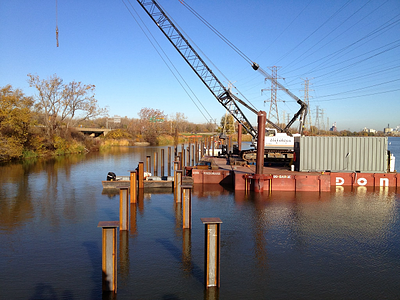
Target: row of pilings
{"x":182,"y":195}
{"x":187,"y":154}
{"x":130,"y":197}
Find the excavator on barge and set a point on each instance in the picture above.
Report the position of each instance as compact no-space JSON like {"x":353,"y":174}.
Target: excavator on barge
{"x":278,"y":141}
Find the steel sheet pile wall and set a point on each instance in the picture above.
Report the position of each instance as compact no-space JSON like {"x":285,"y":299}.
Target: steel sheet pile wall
{"x":341,"y":154}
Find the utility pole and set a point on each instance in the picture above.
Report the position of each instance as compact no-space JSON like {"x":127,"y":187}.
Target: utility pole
{"x":273,"y":109}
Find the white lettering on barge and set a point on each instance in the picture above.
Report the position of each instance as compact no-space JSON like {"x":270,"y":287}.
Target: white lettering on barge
{"x":363,"y":181}
{"x":282,"y":176}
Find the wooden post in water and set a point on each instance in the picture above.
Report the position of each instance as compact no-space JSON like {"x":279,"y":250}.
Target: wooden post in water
{"x":187,"y":206}
{"x":188,"y":157}
{"x":133,"y":186}
{"x":148,"y":163}
{"x":212,"y":146}
{"x":141,"y":175}
{"x":183,"y":157}
{"x":196,"y":151}
{"x":123,"y":209}
{"x":212,"y":251}
{"x":156,"y":163}
{"x":188,"y":151}
{"x":179,"y":158}
{"x":162,"y":162}
{"x":178,"y":187}
{"x":176,"y":168}
{"x":169,"y":161}
{"x":109,"y":255}
{"x":193,"y":155}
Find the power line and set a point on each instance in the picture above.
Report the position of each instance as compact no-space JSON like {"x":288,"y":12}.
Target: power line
{"x":358,"y":77}
{"x":290,"y":24}
{"x":297,"y":60}
{"x":319,"y":27}
{"x":158,"y":52}
{"x":380,"y":30}
{"x":358,"y":96}
{"x":359,"y":61}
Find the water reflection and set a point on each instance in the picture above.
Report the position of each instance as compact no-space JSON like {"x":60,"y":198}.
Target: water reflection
{"x":123,"y":257}
{"x":273,"y":244}
{"x":211,"y":293}
{"x":187,"y":250}
{"x":133,"y":220}
{"x":209,"y":190}
{"x":178,"y":217}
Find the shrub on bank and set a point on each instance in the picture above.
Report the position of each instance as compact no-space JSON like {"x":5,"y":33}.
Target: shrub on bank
{"x":118,"y":134}
{"x":62,"y":146}
{"x":108,"y":143}
{"x":164,"y":140}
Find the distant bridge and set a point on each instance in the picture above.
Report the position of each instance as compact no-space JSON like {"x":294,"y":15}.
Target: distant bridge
{"x":95,"y":132}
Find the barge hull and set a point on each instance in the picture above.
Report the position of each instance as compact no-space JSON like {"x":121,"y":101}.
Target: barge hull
{"x":242,"y":178}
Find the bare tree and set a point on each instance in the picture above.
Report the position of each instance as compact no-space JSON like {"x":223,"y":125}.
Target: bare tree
{"x":151,"y":124}
{"x":48,"y":100}
{"x":63,"y":104}
{"x":180,"y":121}
{"x":78,"y":97}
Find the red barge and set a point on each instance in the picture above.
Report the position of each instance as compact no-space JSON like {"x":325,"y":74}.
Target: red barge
{"x":281,"y":179}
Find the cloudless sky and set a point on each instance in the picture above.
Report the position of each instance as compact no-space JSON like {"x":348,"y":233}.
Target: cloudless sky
{"x":349,"y":51}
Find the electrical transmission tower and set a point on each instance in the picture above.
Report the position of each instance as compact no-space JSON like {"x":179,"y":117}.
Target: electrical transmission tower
{"x":307,"y":101}
{"x":318,"y":113}
{"x":273,"y":114}
{"x":322,"y":124}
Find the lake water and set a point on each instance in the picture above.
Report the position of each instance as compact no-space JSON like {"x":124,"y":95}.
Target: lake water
{"x":344,"y":244}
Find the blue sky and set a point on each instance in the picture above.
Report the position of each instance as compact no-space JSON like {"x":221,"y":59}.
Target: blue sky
{"x":349,"y":51}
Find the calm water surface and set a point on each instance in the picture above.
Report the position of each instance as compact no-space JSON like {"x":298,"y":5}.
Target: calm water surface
{"x":339,"y":245}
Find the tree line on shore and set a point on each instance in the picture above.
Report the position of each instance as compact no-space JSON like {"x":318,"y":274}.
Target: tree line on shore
{"x":44,"y":124}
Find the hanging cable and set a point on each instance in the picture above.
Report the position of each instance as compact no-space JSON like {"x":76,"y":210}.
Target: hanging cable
{"x":57,"y":23}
